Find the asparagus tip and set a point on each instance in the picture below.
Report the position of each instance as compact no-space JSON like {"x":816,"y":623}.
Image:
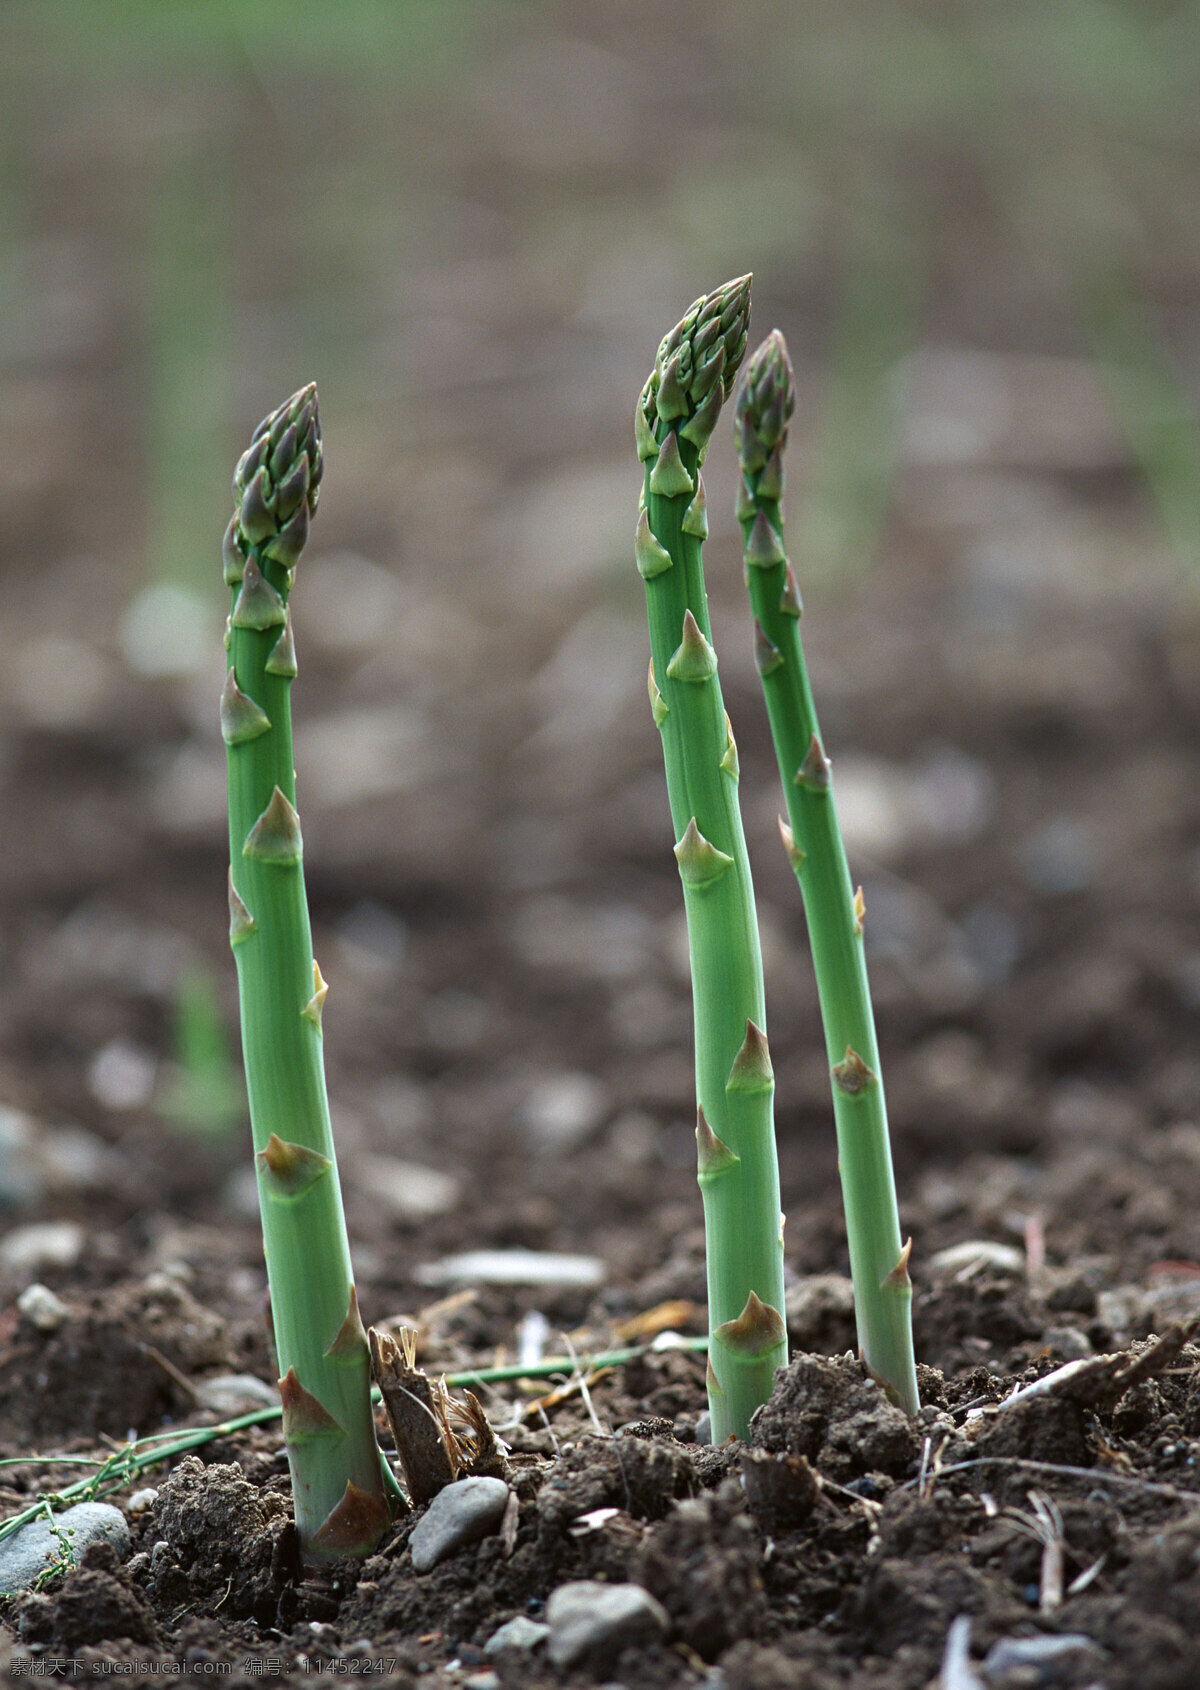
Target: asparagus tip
{"x":765,"y":403}
{"x":277,"y":482}
{"x":696,"y":365}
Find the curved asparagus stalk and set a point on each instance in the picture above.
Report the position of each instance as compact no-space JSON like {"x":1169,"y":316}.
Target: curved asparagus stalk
{"x":878,"y":1263}
{"x":738,"y":1172}
{"x":319,"y":1338}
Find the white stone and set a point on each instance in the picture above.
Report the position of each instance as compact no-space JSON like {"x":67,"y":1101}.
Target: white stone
{"x":513,"y":1267}
{"x":42,"y":1244}
{"x":41,"y":1308}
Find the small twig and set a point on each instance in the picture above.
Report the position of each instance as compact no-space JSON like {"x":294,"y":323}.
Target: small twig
{"x":1045,"y":1526}
{"x":171,"y":1371}
{"x":584,"y":1393}
{"x":1094,"y":1475}
{"x":957,"y":1672}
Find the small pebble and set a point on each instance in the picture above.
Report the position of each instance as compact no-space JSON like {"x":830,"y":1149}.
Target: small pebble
{"x":593,"y":1622}
{"x":236,"y":1393}
{"x":976,"y":1253}
{"x":27,"y":1554}
{"x":482,"y":1681}
{"x":42,"y":1244}
{"x":562,"y":1110}
{"x":513,"y":1267}
{"x":41,"y":1308}
{"x":519,"y":1633}
{"x":460,"y":1514}
{"x":409,"y":1190}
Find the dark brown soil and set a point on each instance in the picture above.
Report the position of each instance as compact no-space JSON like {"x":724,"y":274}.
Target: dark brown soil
{"x":474,"y":248}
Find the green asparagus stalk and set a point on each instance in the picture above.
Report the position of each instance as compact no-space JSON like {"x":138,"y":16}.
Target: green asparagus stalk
{"x":738,"y":1172}
{"x":322,"y":1349}
{"x":812,"y":837}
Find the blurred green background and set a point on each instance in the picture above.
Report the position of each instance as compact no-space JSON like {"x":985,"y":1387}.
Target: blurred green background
{"x":472,"y":221}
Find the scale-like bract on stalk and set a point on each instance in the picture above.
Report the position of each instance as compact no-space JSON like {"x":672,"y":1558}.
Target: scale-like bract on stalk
{"x":738,"y":1172}
{"x":337,"y":1478}
{"x":835,"y":912}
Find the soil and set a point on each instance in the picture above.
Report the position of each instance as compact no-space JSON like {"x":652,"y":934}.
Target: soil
{"x":1011,"y":698}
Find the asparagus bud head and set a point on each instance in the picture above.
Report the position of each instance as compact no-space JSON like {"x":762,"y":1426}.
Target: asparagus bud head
{"x":765,"y":403}
{"x":276,"y":485}
{"x":695,"y":368}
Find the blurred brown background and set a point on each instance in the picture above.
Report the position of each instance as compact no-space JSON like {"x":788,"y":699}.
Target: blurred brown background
{"x":471,"y":224}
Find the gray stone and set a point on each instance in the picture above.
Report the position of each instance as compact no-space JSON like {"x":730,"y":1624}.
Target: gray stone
{"x":519,"y":1633}
{"x":591,"y":1622}
{"x":236,"y":1393}
{"x":28,"y":1553}
{"x":460,"y":1514}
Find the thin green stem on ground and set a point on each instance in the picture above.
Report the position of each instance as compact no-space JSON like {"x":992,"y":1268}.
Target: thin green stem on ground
{"x":813,"y":838}
{"x":738,"y":1170}
{"x":113,"y":1472}
{"x":337,"y":1483}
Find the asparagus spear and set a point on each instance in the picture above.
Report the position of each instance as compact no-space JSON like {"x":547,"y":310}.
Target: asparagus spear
{"x":738,"y":1172}
{"x":322,"y":1348}
{"x":878,"y":1263}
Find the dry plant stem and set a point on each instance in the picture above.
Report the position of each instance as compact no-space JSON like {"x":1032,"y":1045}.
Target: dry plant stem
{"x":738,"y":1171}
{"x":878,"y":1260}
{"x":322,"y":1349}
